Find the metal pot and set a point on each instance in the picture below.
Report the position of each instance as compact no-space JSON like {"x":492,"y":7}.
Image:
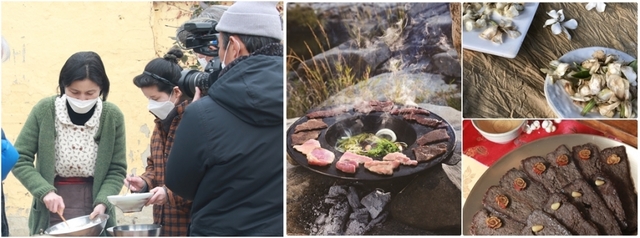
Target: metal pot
{"x":137,"y":230}
{"x":79,"y":226}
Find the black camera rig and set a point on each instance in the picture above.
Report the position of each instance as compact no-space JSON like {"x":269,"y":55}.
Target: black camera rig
{"x":203,"y":35}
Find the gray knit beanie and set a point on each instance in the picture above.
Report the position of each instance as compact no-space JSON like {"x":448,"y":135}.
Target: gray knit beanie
{"x":252,"y":18}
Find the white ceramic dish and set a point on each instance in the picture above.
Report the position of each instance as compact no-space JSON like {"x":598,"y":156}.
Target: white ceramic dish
{"x":509,"y":48}
{"x":559,"y":100}
{"x":500,"y":138}
{"x":133,"y":202}
{"x":541,"y":147}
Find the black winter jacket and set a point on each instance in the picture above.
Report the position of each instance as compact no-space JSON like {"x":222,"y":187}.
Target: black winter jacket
{"x":228,"y":151}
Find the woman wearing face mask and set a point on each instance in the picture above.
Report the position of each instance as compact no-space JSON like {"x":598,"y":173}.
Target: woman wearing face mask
{"x":79,"y":140}
{"x":158,"y":82}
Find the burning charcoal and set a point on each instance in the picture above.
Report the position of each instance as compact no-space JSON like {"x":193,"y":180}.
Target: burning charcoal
{"x":375,"y":202}
{"x":355,"y":228}
{"x":354,"y":200}
{"x":332,"y":200}
{"x":338,"y":217}
{"x":336,"y":191}
{"x":361,"y":215}
{"x":321,"y":219}
{"x":378,"y":220}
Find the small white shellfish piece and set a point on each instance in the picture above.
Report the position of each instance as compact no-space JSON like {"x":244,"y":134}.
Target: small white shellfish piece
{"x":628,"y":73}
{"x":614,"y":68}
{"x":596,"y":83}
{"x":599,"y":55}
{"x":469,"y":25}
{"x":627,"y":110}
{"x":490,"y":32}
{"x":557,"y":121}
{"x":608,"y":110}
{"x":561,"y":69}
{"x":511,"y":12}
{"x":604,"y":95}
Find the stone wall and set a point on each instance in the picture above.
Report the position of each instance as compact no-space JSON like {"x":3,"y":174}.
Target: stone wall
{"x":42,"y":35}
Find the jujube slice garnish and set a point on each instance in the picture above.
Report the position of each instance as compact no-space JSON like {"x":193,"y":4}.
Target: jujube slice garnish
{"x":613,"y":159}
{"x":562,"y":160}
{"x":493,"y":222}
{"x":584,"y":154}
{"x":502,"y":201}
{"x":519,"y":184}
{"x":539,"y":167}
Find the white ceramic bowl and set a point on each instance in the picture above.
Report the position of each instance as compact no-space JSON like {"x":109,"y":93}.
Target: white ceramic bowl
{"x":502,"y":133}
{"x":559,"y":100}
{"x":133,"y":202}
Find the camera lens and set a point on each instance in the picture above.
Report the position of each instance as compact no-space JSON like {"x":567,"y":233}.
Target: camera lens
{"x":191,"y":79}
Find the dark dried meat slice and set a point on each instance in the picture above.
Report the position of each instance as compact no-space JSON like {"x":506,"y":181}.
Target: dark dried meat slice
{"x":605,"y":187}
{"x":540,"y":223}
{"x":501,"y":225}
{"x":374,"y":106}
{"x":566,"y":172}
{"x":591,"y":205}
{"x":382,"y":106}
{"x":422,"y":120}
{"x":425,"y":153}
{"x":303,"y":136}
{"x":549,"y":178}
{"x":410,"y":110}
{"x":615,"y":163}
{"x":514,"y":209}
{"x":328,"y":112}
{"x":525,"y":189}
{"x":567,"y":214}
{"x":310,"y":125}
{"x":433,"y":137}
{"x":587,"y":160}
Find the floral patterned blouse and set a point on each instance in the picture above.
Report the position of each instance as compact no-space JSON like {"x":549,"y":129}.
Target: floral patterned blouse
{"x":76,"y":149}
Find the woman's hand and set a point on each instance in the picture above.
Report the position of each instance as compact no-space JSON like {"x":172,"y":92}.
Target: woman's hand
{"x":159,"y":196}
{"x":99,"y":209}
{"x":54,"y":202}
{"x":136,"y":182}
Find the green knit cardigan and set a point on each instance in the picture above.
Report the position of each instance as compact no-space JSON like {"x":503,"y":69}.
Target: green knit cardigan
{"x":38,"y":136}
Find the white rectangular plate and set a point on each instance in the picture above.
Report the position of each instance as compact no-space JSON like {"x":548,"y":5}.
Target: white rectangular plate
{"x":510,"y":47}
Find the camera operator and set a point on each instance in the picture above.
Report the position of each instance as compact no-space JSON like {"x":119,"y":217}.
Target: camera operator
{"x":227,"y":155}
{"x":199,"y":35}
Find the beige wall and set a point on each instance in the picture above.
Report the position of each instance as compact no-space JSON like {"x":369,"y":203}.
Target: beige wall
{"x":42,"y":35}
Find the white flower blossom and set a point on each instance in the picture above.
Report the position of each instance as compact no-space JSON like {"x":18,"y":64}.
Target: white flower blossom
{"x":598,"y":5}
{"x":558,"y":24}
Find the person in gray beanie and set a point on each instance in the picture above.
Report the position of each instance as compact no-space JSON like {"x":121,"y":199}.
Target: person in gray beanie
{"x":227,"y":153}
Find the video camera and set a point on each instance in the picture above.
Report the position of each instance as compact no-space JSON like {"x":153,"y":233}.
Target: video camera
{"x":204,"y":34}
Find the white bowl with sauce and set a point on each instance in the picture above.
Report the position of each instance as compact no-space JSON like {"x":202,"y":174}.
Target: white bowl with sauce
{"x":499,"y":131}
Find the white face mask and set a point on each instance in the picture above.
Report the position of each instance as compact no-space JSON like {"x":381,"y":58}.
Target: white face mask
{"x":222,"y":64}
{"x":81,"y":106}
{"x":161,"y":109}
